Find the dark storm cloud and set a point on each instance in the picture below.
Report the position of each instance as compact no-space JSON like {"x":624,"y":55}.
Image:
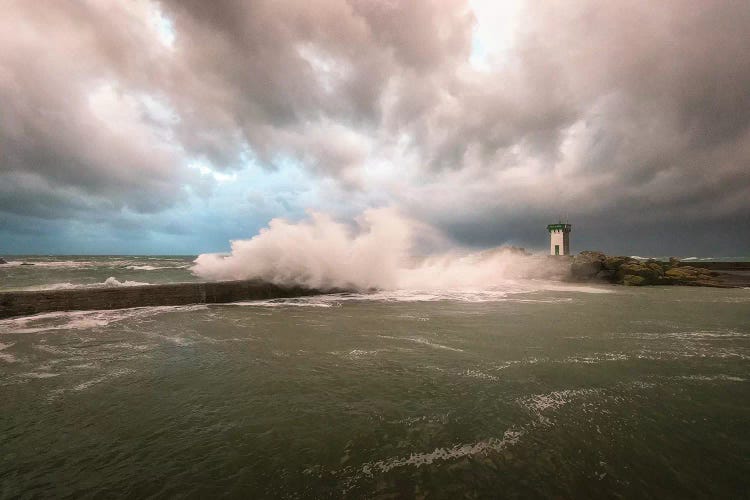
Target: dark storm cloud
{"x":245,"y":79}
{"x":283,"y":75}
{"x":73,"y":133}
{"x":635,"y":112}
{"x":631,"y":112}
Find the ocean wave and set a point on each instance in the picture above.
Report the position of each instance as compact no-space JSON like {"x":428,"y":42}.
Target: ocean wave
{"x":700,"y":335}
{"x":314,"y":301}
{"x":7,"y":357}
{"x":68,"y":264}
{"x":357,"y":354}
{"x":85,"y":385}
{"x":467,"y":373}
{"x":154,"y":268}
{"x":479,"y":375}
{"x":40,"y":375}
{"x":520,"y":362}
{"x":110,"y":282}
{"x":133,"y":264}
{"x":539,"y":403}
{"x":688,"y":352}
{"x":597,"y":358}
{"x":510,"y":437}
{"x":710,"y":378}
{"x":695,"y":259}
{"x":509,"y":292}
{"x":50,"y":264}
{"x":83,"y":320}
{"x":422,"y":341}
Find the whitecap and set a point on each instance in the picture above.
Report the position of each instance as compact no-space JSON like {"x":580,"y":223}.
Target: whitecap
{"x":83,"y":320}
{"x":356,"y":354}
{"x":520,"y":362}
{"x":87,"y":384}
{"x":578,"y":288}
{"x":110,"y":282}
{"x":710,"y":378}
{"x":423,"y":341}
{"x":314,"y":301}
{"x":597,"y":358}
{"x":7,"y":357}
{"x":154,"y":268}
{"x":510,"y":437}
{"x":479,"y":375}
{"x":41,"y":375}
{"x":539,"y":403}
{"x":686,"y":335}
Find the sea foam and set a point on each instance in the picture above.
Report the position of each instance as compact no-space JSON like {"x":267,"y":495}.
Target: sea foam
{"x":84,"y":320}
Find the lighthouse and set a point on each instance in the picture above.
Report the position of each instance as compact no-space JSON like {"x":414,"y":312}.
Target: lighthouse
{"x":559,"y":239}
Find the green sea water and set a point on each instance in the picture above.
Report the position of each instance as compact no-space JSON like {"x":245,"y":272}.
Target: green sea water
{"x":522,"y":390}
{"x":53,"y":272}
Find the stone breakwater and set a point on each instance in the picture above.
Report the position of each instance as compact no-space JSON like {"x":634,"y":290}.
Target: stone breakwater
{"x":23,"y":303}
{"x":592,"y":265}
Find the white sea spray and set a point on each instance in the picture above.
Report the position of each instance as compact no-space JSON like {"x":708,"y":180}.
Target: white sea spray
{"x":379,"y":253}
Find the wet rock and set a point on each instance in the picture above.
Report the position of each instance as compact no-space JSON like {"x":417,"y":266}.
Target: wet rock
{"x":650,"y":272}
{"x":686,"y":275}
{"x":3,"y":261}
{"x":606,"y":275}
{"x":591,"y":265}
{"x":586,"y":265}
{"x":614,"y":263}
{"x":26,"y":264}
{"x":633,"y":280}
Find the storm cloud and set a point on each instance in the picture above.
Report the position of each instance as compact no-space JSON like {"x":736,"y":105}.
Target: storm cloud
{"x":631,"y":119}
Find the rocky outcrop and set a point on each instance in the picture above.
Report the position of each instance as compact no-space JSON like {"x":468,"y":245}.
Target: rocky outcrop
{"x":592,"y":265}
{"x":3,"y":261}
{"x":587,"y":265}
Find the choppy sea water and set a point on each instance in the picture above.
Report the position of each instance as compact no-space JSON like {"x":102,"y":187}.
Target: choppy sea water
{"x":35,"y":272}
{"x":522,"y":389}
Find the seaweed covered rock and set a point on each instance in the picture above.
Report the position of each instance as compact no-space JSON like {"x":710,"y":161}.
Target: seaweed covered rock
{"x":591,"y":265}
{"x":633,"y":280}
{"x":614,"y":263}
{"x":687,"y":275}
{"x":586,"y":265}
{"x":651,"y":272}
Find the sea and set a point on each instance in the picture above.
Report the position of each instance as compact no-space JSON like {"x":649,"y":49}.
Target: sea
{"x":517,"y":389}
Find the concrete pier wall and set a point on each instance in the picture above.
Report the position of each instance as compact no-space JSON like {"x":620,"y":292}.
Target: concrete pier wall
{"x":24,"y":303}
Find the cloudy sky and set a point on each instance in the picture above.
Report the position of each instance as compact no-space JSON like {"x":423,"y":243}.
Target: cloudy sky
{"x":176,"y":126}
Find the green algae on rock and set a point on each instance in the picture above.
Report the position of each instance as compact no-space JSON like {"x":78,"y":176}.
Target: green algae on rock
{"x":594,"y":265}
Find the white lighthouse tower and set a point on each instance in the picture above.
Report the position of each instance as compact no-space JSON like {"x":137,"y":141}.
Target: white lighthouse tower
{"x":559,"y":239}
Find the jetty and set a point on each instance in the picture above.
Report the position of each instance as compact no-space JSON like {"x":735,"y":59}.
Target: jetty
{"x":24,"y":303}
{"x":592,"y":265}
